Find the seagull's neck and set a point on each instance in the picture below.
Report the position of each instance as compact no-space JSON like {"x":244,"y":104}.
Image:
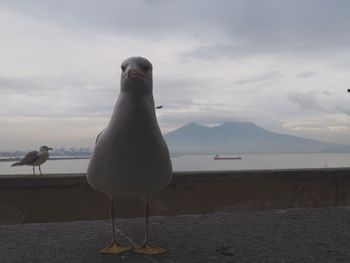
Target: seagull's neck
{"x":135,"y":102}
{"x":133,"y":107}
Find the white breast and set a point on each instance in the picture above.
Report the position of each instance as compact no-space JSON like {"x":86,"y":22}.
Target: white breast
{"x":131,"y":156}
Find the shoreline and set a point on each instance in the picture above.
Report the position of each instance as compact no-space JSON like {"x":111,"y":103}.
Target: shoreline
{"x":51,"y":159}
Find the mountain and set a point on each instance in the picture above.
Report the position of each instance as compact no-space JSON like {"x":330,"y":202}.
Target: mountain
{"x":240,"y":138}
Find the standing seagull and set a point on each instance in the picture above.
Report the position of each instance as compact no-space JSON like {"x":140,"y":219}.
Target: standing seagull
{"x":35,"y":158}
{"x":131,"y":157}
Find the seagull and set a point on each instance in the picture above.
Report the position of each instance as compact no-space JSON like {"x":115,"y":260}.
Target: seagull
{"x":35,"y":158}
{"x":130,"y":157}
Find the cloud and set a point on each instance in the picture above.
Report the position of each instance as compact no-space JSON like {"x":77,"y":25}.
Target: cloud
{"x":344,"y":107}
{"x":307,"y":101}
{"x":305,"y":74}
{"x":275,"y":63}
{"x":323,"y":102}
{"x":262,"y":22}
{"x":263,"y":77}
{"x":69,"y":96}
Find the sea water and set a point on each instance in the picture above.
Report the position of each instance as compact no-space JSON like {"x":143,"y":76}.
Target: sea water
{"x":204,"y":163}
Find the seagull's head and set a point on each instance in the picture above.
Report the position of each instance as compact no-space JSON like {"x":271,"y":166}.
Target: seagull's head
{"x":136,"y":76}
{"x":45,"y":148}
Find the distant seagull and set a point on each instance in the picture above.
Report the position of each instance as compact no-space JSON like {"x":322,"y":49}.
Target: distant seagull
{"x":131,"y":157}
{"x":35,"y":158}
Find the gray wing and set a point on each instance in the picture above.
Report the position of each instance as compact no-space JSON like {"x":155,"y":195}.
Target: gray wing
{"x":31,"y":157}
{"x":98,"y":136}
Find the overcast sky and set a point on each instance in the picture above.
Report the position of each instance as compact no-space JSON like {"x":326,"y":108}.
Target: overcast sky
{"x":284,"y":65}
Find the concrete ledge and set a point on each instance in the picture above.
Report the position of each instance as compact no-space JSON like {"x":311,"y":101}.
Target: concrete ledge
{"x":48,"y":180}
{"x":316,"y":235}
{"x":50,"y":198}
{"x":54,"y":180}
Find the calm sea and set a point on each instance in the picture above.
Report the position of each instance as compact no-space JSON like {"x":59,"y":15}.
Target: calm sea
{"x":205,"y":163}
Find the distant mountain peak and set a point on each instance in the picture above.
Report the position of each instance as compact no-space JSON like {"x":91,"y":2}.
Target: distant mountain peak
{"x":237,"y":123}
{"x":227,"y":124}
{"x":193,"y":124}
{"x":242,"y":137}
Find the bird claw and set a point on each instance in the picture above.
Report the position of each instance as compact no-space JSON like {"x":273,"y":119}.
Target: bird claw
{"x":149,"y":250}
{"x":114,"y":248}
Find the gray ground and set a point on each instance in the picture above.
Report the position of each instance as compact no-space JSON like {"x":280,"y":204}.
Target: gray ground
{"x":293,"y":235}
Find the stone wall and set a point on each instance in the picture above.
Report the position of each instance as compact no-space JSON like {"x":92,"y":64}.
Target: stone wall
{"x":68,"y":197}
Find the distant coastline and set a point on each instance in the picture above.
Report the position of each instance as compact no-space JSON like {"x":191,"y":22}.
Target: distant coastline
{"x":204,"y":163}
{"x":229,"y":138}
{"x":9,"y":159}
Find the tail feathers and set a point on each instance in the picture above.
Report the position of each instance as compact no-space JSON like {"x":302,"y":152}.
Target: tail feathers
{"x":15,"y":164}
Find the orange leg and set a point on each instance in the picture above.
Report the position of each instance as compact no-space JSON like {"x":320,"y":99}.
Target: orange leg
{"x":113,"y":247}
{"x":147,"y":248}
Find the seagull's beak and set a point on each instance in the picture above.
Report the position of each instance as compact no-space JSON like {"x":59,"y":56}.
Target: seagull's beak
{"x":133,"y":73}
{"x":49,"y":148}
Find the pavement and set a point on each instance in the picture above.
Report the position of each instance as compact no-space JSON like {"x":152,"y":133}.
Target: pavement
{"x":289,"y":235}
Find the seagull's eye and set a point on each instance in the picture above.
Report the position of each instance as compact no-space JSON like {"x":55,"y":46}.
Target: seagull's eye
{"x":123,"y":67}
{"x":145,"y":67}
